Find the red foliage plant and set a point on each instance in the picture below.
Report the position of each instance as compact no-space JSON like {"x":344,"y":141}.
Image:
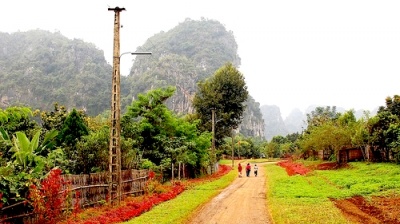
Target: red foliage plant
{"x":151,"y":174}
{"x":223,"y":169}
{"x":293,"y":168}
{"x":76,"y":205}
{"x":47,"y":201}
{"x":131,"y":209}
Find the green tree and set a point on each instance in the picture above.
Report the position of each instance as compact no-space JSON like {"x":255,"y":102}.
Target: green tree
{"x":321,"y":115}
{"x":54,"y":119}
{"x":383,"y":130}
{"x":393,"y":141}
{"x":225,"y":92}
{"x":91,"y":152}
{"x":73,"y":128}
{"x":14,"y":119}
{"x":272,"y":150}
{"x":147,"y":121}
{"x":361,"y":137}
{"x":330,"y":136}
{"x":381,"y":133}
{"x":393,"y":104}
{"x":160,"y":136}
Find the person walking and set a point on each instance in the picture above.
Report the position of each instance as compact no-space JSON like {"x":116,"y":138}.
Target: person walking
{"x":255,"y":169}
{"x":248,"y":169}
{"x":240,"y":170}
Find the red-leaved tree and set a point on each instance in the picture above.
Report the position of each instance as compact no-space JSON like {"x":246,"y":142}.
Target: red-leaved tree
{"x":48,"y":200}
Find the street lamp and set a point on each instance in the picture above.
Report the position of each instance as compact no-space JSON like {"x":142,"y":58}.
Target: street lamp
{"x":135,"y":53}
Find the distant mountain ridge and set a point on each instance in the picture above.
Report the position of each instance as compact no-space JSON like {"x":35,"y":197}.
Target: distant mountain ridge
{"x":295,"y":122}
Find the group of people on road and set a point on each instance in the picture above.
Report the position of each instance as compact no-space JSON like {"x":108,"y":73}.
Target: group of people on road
{"x":248,"y":170}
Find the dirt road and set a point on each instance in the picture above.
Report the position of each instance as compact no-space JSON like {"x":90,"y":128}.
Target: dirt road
{"x":244,"y":201}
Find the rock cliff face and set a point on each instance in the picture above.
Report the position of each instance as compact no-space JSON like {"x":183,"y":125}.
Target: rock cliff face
{"x":295,"y":121}
{"x":181,"y":57}
{"x":274,"y":124}
{"x":253,"y":123}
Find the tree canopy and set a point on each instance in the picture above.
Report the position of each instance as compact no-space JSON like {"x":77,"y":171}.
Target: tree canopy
{"x":225,"y":92}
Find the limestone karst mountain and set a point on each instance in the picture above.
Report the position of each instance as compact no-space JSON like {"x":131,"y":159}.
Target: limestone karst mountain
{"x":39,"y":68}
{"x":190,"y":52}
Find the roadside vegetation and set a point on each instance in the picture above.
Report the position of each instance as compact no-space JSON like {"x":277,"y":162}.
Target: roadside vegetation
{"x":180,"y":209}
{"x":153,"y":137}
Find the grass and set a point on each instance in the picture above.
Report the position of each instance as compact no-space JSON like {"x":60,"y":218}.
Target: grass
{"x":292,"y":199}
{"x":180,"y":209}
{"x":306,"y":199}
{"x":366,"y":179}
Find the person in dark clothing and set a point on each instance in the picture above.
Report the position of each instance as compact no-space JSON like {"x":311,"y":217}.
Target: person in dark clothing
{"x":248,"y":169}
{"x":240,"y":170}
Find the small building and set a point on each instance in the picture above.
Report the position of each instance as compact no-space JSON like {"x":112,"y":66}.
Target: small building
{"x":350,"y":155}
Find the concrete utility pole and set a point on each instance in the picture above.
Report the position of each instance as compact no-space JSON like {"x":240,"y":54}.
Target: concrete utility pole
{"x":233,"y":146}
{"x":115,"y":178}
{"x":213,"y":140}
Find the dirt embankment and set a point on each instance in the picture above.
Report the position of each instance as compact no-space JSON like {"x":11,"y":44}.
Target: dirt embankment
{"x":358,"y":209}
{"x":377,"y":210}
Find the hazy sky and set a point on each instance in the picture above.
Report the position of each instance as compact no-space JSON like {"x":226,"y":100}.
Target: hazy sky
{"x":294,"y":53}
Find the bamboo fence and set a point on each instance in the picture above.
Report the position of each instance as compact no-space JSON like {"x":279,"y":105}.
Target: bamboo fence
{"x":91,"y":189}
{"x":85,"y":190}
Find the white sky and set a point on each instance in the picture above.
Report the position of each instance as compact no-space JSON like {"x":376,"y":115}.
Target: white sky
{"x":295,"y":53}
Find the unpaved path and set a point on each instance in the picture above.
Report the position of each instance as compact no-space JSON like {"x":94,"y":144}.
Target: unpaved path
{"x":244,"y":201}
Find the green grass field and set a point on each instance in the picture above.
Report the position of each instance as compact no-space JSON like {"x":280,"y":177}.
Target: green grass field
{"x":305,"y":199}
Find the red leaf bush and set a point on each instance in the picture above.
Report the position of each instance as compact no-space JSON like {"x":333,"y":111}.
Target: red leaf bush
{"x":133,"y":207}
{"x":293,"y":168}
{"x":47,"y":201}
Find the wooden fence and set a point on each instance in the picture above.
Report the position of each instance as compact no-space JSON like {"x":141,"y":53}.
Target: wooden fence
{"x":92,"y":189}
{"x":86,"y":190}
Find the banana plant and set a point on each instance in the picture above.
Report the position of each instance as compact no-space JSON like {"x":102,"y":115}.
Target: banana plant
{"x":27,"y":163}
{"x":27,"y":153}
{"x":4,"y":135}
{"x":5,"y":144}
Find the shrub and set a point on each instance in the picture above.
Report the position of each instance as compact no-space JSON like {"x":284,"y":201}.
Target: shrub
{"x":47,"y":201}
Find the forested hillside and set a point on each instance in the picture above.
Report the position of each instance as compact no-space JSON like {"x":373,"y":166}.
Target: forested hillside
{"x":38,"y":68}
